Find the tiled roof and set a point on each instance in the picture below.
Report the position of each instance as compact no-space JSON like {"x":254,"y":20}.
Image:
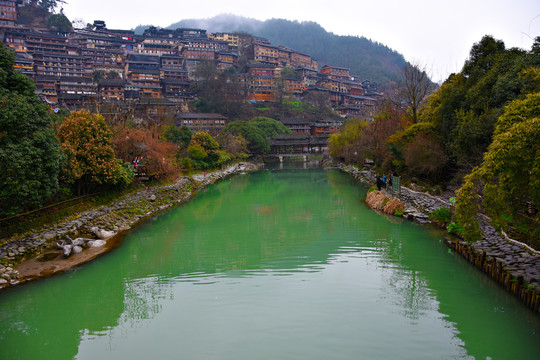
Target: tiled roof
{"x":200,"y":116}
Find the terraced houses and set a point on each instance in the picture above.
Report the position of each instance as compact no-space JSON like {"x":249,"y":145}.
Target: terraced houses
{"x":162,"y":64}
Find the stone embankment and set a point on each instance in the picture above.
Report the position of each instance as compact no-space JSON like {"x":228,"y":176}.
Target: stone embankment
{"x":512,"y":264}
{"x":118,"y":217}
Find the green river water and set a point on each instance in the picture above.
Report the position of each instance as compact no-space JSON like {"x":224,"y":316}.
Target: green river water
{"x":275,"y":265}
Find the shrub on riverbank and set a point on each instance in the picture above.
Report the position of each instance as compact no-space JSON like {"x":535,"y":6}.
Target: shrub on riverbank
{"x":393,"y":207}
{"x":204,"y":153}
{"x":441,"y":216}
{"x":379,"y":201}
{"x":156,"y":157}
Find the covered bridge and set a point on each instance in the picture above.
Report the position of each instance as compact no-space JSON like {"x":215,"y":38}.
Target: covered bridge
{"x":298,"y":143}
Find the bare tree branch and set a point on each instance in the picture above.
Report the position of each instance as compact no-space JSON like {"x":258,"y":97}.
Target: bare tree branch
{"x":414,"y":85}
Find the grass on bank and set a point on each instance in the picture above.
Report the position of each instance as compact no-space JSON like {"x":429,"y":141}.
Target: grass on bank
{"x":58,"y":212}
{"x":55,"y":213}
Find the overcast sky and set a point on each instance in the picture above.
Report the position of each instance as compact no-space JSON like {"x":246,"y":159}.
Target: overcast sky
{"x":435,"y":33}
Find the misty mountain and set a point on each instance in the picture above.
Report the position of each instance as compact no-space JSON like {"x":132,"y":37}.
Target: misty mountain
{"x":365,"y":58}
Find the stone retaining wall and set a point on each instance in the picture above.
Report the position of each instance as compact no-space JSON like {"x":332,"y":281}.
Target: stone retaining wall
{"x":513,"y":265}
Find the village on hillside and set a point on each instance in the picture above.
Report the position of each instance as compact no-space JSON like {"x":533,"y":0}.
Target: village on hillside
{"x":96,"y":65}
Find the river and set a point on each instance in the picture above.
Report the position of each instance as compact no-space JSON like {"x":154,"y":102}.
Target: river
{"x":286,"y":264}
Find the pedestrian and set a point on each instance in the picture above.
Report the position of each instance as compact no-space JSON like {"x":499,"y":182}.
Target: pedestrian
{"x":383,"y":180}
{"x":379,"y":182}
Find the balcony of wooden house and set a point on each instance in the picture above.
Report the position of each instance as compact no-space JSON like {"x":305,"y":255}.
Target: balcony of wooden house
{"x":198,"y":54}
{"x":360,"y":111}
{"x":258,"y":69}
{"x":150,"y":91}
{"x":284,"y":56}
{"x":75,"y":85}
{"x":335,"y":72}
{"x":302,"y":60}
{"x":175,"y":89}
{"x":171,"y":61}
{"x":8,"y":15}
{"x":297,"y":125}
{"x":111,"y":89}
{"x":326,"y":127}
{"x":46,"y":86}
{"x":25,"y":64}
{"x":293,"y":86}
{"x":206,"y":122}
{"x":75,"y":102}
{"x":359,"y":100}
{"x":227,"y":57}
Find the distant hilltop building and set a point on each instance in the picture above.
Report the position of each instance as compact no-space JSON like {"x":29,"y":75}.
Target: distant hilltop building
{"x":99,"y":25}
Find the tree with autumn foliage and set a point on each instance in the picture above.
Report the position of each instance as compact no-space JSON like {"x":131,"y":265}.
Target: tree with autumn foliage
{"x":156,"y":156}
{"x":386,"y":122}
{"x":360,"y":139}
{"x":350,"y":144}
{"x":87,"y":143}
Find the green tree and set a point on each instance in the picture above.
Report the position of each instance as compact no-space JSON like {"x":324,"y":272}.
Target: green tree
{"x":400,"y":141}
{"x":269,"y":127}
{"x":180,"y":136}
{"x":30,"y":157}
{"x":482,"y":57}
{"x":88,"y":144}
{"x":256,"y":142}
{"x":204,"y":152}
{"x":60,"y":23}
{"x":465,"y":108}
{"x":205,"y":140}
{"x":506,"y":185}
{"x":197,"y":152}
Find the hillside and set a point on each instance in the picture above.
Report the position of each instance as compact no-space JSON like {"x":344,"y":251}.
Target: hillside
{"x":365,"y":58}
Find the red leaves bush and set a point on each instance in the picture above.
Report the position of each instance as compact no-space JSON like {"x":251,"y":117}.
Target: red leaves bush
{"x":157,"y":157}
